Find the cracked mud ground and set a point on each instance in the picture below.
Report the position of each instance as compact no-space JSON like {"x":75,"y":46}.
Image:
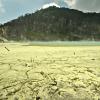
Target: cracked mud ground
{"x":49,"y":73}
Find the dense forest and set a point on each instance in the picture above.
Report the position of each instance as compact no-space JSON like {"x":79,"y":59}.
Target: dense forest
{"x":53,"y":24}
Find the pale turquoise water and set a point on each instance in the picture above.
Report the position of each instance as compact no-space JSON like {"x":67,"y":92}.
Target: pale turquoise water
{"x":66,"y":43}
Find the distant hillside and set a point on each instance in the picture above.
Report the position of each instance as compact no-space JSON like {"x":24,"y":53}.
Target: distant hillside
{"x":53,"y":24}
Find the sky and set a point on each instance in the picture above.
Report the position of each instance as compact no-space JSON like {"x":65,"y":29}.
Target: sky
{"x":11,"y":9}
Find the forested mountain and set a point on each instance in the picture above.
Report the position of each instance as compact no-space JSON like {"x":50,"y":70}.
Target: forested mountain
{"x":53,"y":24}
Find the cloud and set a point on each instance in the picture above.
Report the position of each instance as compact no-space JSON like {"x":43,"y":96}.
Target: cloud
{"x":2,"y":10}
{"x":70,"y":3}
{"x":84,"y":5}
{"x":87,"y":5}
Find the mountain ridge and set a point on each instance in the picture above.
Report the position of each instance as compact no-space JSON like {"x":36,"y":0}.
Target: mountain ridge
{"x":53,"y":24}
{"x":50,"y":5}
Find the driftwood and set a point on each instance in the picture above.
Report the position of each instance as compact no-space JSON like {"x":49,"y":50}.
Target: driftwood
{"x":7,"y":49}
